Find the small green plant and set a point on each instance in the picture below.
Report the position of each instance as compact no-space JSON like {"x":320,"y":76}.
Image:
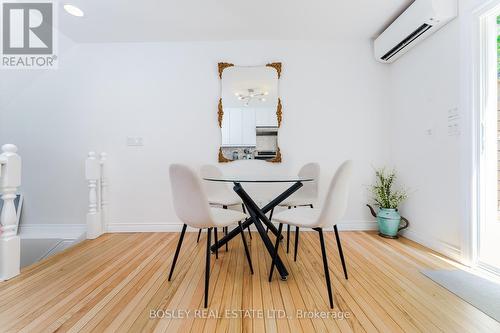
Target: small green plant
{"x":383,"y":194}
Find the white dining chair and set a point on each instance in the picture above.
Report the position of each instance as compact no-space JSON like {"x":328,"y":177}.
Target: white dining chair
{"x":306,"y":196}
{"x":219,"y":194}
{"x":192,"y":208}
{"x":332,"y":212}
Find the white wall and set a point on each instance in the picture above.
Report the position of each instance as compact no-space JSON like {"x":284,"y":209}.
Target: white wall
{"x":335,"y":108}
{"x":424,"y":86}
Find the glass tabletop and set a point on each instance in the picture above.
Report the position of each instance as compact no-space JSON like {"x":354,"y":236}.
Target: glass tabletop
{"x":230,"y":179}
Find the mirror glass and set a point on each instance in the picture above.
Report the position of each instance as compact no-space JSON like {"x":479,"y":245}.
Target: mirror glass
{"x":249,"y":98}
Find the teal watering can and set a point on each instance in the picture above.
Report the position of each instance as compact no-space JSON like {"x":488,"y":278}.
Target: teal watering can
{"x":389,"y":222}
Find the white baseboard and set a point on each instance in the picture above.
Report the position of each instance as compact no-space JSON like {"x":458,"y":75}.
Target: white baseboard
{"x":432,"y":243}
{"x":146,"y":227}
{"x":176,"y":227}
{"x":60,"y":231}
{"x":77,"y":231}
{"x":357,"y":225}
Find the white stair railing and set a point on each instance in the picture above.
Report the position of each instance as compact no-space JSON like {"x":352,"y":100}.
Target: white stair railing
{"x":104,"y":190}
{"x":95,"y":173}
{"x":10,"y":243}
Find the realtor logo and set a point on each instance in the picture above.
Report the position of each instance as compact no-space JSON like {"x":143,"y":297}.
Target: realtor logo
{"x":27,"y":35}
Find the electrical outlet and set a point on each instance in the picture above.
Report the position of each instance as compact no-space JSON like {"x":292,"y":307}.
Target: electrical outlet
{"x":134,"y":141}
{"x":453,"y":122}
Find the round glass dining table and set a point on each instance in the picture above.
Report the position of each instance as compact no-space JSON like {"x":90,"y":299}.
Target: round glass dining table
{"x":258,"y":179}
{"x":258,"y":215}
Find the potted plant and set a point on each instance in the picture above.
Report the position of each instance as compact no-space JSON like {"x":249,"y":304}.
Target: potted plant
{"x":388,"y":200}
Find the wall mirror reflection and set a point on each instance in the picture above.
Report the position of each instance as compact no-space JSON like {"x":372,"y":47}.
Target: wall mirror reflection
{"x":249,"y":112}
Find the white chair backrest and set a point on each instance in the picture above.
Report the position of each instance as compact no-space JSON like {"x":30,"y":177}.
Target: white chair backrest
{"x":190,"y":199}
{"x":310,"y":189}
{"x":336,"y":200}
{"x":214,"y":188}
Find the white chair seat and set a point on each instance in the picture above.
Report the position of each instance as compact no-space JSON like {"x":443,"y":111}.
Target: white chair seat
{"x":224,"y":199}
{"x":302,"y":217}
{"x":225,"y":217}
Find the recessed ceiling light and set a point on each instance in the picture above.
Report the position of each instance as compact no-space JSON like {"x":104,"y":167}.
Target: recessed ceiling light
{"x":73,"y":10}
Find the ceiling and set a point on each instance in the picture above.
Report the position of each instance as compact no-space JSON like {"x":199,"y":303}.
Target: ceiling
{"x":217,"y":20}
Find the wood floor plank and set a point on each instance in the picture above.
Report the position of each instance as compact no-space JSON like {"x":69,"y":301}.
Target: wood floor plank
{"x":29,"y":272}
{"x":296,"y":301}
{"x":378,"y":318}
{"x":29,"y":305}
{"x":71,"y":300}
{"x":220,"y":287}
{"x":167,"y":290}
{"x":270,"y":322}
{"x":185,"y":290}
{"x":258,"y":322}
{"x":94,"y":310}
{"x":127,"y":316}
{"x":373,"y":291}
{"x":439,"y":312}
{"x":111,"y":284}
{"x":315,"y":268}
{"x":390,"y":291}
{"x":302,"y":280}
{"x":31,"y":286}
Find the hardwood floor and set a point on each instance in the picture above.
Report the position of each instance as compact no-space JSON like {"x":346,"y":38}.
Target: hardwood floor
{"x":114,"y":283}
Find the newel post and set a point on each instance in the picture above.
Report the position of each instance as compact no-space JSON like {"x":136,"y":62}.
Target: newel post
{"x":93,"y":175}
{"x":104,"y":190}
{"x":10,"y":244}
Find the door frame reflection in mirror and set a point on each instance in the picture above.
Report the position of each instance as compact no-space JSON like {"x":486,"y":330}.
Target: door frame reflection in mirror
{"x":279,"y":109}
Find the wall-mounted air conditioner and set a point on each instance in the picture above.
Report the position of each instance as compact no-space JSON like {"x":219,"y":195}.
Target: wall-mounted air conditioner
{"x":421,"y":19}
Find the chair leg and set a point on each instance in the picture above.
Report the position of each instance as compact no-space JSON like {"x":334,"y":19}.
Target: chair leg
{"x":249,"y":259}
{"x":207,"y":266}
{"x":341,"y":253}
{"x":270,"y":219}
{"x":199,"y":234}
{"x":275,"y":255}
{"x":325,"y":266}
{"x":296,"y":243}
{"x":176,"y":255}
{"x":216,"y":243}
{"x":225,"y":234}
{"x":287,"y":238}
{"x":244,"y":212}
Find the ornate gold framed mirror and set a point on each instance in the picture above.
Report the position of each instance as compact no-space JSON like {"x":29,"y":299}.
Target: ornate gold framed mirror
{"x":249,"y":112}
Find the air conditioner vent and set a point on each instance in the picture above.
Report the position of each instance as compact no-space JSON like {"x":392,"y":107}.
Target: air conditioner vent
{"x":407,"y":41}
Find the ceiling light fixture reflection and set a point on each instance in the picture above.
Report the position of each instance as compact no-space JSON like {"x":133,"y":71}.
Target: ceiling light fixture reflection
{"x":250,"y":95}
{"x":73,"y":10}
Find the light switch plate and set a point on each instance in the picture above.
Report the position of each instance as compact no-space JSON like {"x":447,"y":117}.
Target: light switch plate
{"x":134,"y":141}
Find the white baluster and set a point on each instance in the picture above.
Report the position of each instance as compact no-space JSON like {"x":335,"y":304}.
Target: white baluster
{"x":10,"y":244}
{"x":93,"y":174}
{"x":104,"y":190}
